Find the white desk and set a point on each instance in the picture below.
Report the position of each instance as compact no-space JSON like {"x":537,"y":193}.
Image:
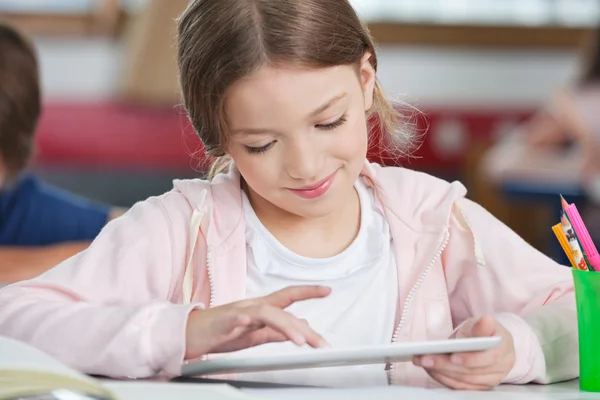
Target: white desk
{"x":563,"y":391}
{"x":187,"y":391}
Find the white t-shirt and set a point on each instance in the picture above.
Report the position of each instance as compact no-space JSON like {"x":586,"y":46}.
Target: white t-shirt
{"x":361,"y":308}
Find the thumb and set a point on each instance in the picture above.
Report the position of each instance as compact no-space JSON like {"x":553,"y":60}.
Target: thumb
{"x":478,"y":327}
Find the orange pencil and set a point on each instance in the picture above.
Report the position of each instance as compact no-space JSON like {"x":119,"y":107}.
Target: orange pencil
{"x":562,"y":239}
{"x":576,"y":251}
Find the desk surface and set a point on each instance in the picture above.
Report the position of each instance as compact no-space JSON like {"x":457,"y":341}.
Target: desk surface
{"x":565,"y":390}
{"x":184,"y":391}
{"x":514,"y":161}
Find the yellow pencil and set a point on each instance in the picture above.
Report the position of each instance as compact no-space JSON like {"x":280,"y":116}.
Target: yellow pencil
{"x":562,"y":239}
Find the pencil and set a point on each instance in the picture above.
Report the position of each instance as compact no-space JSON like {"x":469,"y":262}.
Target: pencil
{"x":590,"y":253}
{"x":563,"y":203}
{"x":562,"y":239}
{"x":576,"y":251}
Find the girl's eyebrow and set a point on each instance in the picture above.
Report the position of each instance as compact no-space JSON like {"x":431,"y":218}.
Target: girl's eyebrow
{"x":328,"y":104}
{"x":317,"y":111}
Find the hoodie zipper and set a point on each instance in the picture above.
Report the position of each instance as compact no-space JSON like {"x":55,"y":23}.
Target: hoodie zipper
{"x":211,"y":300}
{"x":411,"y":295}
{"x":211,"y":285}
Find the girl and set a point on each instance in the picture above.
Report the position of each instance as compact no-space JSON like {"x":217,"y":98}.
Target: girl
{"x":296,"y":238}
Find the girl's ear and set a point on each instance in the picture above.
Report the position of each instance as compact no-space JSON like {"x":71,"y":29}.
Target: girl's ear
{"x":367,"y":79}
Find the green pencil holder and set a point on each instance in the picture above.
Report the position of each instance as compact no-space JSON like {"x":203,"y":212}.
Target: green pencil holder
{"x":587,"y":293}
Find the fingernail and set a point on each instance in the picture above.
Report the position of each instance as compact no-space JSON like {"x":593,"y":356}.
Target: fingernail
{"x":427,"y":362}
{"x":455,"y":359}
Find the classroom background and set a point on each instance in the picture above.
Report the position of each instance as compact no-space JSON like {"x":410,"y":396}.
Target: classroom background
{"x":113,"y":129}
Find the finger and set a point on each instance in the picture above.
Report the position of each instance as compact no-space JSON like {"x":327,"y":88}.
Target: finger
{"x":466,"y":328}
{"x":483,"y":327}
{"x":475,"y":359}
{"x":243,"y":338}
{"x":438,"y":362}
{"x":259,"y":325}
{"x":444,"y":362}
{"x":268,"y":335}
{"x":486,"y":380}
{"x":457,"y":384}
{"x":264,"y":335}
{"x":489,"y":379}
{"x":286,"y":297}
{"x":294,"y":329}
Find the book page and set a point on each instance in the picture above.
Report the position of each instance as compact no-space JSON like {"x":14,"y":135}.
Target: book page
{"x":16,"y":355}
{"x":26,"y":371}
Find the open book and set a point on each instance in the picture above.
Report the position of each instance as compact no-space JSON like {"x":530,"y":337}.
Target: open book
{"x":28,"y":373}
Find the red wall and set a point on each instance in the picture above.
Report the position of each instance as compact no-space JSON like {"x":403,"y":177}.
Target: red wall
{"x":114,"y":135}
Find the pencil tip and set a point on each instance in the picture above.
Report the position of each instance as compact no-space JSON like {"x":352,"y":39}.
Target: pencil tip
{"x":563,"y":202}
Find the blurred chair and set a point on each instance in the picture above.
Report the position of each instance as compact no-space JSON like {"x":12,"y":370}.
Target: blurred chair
{"x":150,"y":73}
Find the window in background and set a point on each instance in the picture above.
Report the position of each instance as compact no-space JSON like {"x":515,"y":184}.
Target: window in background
{"x":475,"y":12}
{"x":578,"y":13}
{"x":47,"y":6}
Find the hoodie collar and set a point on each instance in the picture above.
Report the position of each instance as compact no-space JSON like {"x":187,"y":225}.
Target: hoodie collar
{"x":419,"y":201}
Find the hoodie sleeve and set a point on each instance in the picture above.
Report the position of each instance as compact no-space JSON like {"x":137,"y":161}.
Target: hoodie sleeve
{"x":490,"y":270}
{"x":106,"y":310}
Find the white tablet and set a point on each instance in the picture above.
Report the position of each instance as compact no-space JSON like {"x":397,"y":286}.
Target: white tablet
{"x":314,"y":358}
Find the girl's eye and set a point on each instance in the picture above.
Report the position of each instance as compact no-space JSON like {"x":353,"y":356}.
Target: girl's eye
{"x":327,"y":127}
{"x":332,"y":125}
{"x":261,"y":149}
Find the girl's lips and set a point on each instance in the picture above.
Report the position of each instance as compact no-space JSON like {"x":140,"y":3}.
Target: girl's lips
{"x":316,"y":190}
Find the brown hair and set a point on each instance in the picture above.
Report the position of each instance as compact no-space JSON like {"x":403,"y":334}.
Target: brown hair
{"x":20,"y":100}
{"x":221,"y":41}
{"x":590,"y":58}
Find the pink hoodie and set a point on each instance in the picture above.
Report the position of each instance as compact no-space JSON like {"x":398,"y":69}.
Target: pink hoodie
{"x":120,"y":307}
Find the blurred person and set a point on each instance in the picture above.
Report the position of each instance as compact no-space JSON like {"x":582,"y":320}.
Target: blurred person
{"x":560,"y":143}
{"x":40,"y":225}
{"x":571,"y":116}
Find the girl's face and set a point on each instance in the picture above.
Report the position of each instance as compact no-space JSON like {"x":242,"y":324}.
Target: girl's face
{"x":299,"y":136}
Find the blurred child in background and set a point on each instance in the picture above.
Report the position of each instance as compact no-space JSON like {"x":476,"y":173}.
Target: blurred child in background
{"x":40,"y":225}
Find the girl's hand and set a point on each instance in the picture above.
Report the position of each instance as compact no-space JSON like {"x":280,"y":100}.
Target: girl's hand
{"x":252,"y":322}
{"x":479,"y":370}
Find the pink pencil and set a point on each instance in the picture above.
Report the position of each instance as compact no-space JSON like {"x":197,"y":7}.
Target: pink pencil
{"x":583,"y":235}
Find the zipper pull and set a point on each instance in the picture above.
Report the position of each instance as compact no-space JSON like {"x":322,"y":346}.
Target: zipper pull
{"x":477,"y":250}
